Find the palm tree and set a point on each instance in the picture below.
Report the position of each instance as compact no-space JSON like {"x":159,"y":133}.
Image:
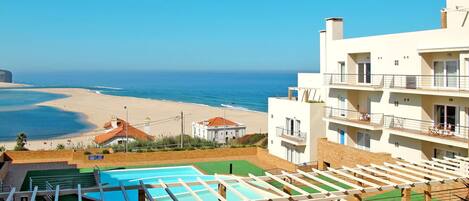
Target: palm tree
{"x":21,"y":140}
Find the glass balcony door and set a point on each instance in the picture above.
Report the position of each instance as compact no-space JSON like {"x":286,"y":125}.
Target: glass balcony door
{"x":364,"y":73}
{"x":446,"y":74}
{"x":446,"y":117}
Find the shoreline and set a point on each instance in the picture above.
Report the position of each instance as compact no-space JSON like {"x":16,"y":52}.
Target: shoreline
{"x":96,"y":109}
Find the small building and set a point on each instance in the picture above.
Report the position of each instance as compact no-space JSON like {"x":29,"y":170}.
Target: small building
{"x":218,"y":129}
{"x":6,"y":76}
{"x":118,"y":131}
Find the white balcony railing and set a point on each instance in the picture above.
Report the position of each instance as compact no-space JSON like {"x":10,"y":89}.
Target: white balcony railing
{"x":354,"y":116}
{"x":430,"y":128}
{"x":296,"y":136}
{"x":431,"y":82}
{"x":367,"y":80}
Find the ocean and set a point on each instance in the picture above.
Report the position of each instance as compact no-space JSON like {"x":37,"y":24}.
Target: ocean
{"x":240,"y":90}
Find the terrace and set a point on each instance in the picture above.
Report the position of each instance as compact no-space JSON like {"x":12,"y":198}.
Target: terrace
{"x":370,"y":121}
{"x":292,"y":137}
{"x":454,"y":135}
{"x":445,"y":85}
{"x":368,"y":82}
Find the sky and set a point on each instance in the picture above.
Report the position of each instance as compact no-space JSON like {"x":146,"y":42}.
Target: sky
{"x":80,"y":35}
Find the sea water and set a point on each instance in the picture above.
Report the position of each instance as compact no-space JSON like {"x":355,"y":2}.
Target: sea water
{"x":18,"y":113}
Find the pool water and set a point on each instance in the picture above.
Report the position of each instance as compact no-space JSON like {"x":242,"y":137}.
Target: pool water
{"x":130,"y":177}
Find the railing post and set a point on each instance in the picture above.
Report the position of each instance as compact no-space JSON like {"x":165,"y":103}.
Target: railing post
{"x":30,"y":184}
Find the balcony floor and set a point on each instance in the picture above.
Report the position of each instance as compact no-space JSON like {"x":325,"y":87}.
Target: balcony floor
{"x":433,"y":91}
{"x":425,"y":135}
{"x":355,"y":123}
{"x":293,"y":140}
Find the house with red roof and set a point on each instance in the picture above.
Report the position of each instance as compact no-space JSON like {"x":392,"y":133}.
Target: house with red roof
{"x":117,"y":131}
{"x":218,"y":129}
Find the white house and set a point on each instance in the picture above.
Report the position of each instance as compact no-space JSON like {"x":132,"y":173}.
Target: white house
{"x":218,"y":129}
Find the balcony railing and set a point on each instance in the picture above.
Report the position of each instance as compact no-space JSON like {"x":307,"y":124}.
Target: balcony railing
{"x":425,"y":127}
{"x":367,"y":80}
{"x":296,"y":136}
{"x":432,"y":82}
{"x":354,"y":116}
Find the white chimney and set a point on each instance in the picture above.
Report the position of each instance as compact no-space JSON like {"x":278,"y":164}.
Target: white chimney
{"x":455,"y":15}
{"x":114,"y":121}
{"x":147,"y":128}
{"x":334,"y":28}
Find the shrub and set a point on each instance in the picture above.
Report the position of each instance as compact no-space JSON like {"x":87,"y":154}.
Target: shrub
{"x":87,"y":153}
{"x":60,"y":147}
{"x":105,"y":151}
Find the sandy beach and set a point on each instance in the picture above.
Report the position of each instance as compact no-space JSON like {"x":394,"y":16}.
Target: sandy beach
{"x":11,"y":85}
{"x":99,"y":108}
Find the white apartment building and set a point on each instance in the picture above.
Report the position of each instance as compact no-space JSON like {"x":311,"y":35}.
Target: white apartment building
{"x":406,"y":94}
{"x":295,"y":122}
{"x":218,"y":129}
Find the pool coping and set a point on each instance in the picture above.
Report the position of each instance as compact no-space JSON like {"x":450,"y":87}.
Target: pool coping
{"x":155,"y":168}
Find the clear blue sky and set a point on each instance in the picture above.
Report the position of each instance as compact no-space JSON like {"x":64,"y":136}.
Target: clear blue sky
{"x":64,"y":35}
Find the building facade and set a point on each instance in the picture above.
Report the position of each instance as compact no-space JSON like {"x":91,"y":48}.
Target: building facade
{"x":295,"y":122}
{"x":6,"y":76}
{"x":218,"y":129}
{"x":406,"y":94}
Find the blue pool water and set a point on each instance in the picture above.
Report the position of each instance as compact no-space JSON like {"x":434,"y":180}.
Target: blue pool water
{"x":168,"y":175}
{"x":19,"y":114}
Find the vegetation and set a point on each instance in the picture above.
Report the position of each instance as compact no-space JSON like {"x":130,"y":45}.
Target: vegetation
{"x":60,"y":147}
{"x":2,"y":149}
{"x":167,"y":144}
{"x":21,"y":140}
{"x":258,"y":139}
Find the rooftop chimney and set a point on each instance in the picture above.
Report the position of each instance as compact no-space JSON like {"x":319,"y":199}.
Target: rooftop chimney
{"x":114,"y":121}
{"x":444,"y":19}
{"x":334,"y":28}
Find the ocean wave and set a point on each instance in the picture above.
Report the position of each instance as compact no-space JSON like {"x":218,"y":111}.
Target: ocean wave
{"x":97,"y":92}
{"x":106,"y":87}
{"x":235,"y":107}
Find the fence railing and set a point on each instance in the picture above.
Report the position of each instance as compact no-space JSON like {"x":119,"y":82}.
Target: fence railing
{"x":372,"y":80}
{"x":433,"y":82}
{"x":362,"y":117}
{"x":65,"y":181}
{"x":294,"y":135}
{"x":426,"y":127}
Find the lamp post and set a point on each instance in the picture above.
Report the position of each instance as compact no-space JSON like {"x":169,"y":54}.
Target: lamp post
{"x":126,"y":127}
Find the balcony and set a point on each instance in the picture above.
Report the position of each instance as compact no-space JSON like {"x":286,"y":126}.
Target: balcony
{"x":444,"y":85}
{"x":293,"y":137}
{"x":370,"y":121}
{"x":449,"y":134}
{"x":371,"y":82}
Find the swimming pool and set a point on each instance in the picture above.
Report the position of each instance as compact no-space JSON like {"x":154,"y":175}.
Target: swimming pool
{"x":131,"y":177}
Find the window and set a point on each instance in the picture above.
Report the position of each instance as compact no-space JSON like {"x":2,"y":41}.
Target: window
{"x":364,"y":73}
{"x":342,"y":71}
{"x":441,"y":153}
{"x":363,"y":141}
{"x":446,"y":74}
{"x":396,"y":62}
{"x":292,"y":126}
{"x":342,"y":106}
{"x":445,"y":117}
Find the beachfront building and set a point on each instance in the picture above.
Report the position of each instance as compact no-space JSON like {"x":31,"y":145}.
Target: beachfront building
{"x":406,"y":94}
{"x":6,"y":76}
{"x":118,"y":131}
{"x":218,"y":129}
{"x":295,"y":122}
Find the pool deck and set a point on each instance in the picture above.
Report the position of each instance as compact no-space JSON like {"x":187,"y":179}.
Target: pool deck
{"x":17,"y":172}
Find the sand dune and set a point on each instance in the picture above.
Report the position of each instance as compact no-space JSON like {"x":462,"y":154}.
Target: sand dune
{"x":98,"y":109}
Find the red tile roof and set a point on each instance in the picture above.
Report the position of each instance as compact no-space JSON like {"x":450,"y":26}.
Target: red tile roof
{"x":133,"y":132}
{"x":219,"y":121}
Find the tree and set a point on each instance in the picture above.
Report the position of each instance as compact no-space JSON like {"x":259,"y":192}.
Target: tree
{"x":2,"y":149}
{"x":21,"y":140}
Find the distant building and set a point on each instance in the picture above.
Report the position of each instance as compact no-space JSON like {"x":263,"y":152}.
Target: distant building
{"x":6,"y":76}
{"x":218,"y":129}
{"x":118,"y":131}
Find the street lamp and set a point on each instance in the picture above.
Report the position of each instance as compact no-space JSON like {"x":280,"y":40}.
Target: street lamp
{"x":126,"y":127}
